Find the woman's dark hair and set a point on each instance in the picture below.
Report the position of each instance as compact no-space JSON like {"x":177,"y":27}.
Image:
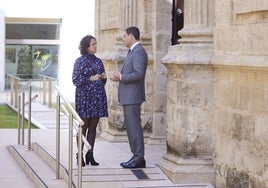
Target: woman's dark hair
{"x":134,"y":31}
{"x":84,"y":44}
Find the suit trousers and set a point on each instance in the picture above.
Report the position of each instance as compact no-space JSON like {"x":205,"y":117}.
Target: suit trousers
{"x":132,"y":118}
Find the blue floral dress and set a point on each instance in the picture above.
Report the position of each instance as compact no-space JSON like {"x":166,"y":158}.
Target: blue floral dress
{"x":90,"y":96}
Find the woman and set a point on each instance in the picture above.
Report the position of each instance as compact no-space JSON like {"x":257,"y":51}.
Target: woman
{"x":90,"y":96}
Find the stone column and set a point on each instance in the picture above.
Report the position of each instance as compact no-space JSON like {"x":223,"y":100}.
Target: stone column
{"x":158,"y":73}
{"x":190,"y":98}
{"x":117,"y":21}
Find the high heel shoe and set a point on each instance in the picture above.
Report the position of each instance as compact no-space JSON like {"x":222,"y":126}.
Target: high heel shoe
{"x":83,"y":162}
{"x":90,"y":158}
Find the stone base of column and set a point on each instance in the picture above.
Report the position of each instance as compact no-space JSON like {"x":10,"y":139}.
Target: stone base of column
{"x":157,"y":140}
{"x":186,"y":171}
{"x":114,"y":135}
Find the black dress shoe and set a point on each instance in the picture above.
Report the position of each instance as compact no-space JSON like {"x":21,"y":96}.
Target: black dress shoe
{"x":124,"y":163}
{"x":135,"y":164}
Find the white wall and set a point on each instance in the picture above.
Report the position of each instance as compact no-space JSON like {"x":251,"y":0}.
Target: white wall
{"x":2,"y":51}
{"x":74,"y":27}
{"x":77,"y":21}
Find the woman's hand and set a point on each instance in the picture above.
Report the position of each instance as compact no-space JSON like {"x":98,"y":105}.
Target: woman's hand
{"x":95,"y":77}
{"x":103,"y":76}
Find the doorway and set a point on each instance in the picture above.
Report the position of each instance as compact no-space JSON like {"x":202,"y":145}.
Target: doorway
{"x":177,"y":20}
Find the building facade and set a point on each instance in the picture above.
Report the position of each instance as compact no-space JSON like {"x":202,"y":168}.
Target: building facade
{"x":207,"y":95}
{"x":44,"y":25}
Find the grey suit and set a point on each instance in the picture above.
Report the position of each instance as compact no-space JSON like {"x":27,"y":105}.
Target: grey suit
{"x":131,"y":95}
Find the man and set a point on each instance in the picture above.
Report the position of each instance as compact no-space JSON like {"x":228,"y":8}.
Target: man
{"x":131,"y":94}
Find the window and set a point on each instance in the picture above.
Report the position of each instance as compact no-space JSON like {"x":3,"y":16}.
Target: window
{"x":32,"y":46}
{"x":32,"y":31}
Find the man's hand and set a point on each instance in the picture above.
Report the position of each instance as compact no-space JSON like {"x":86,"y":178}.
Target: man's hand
{"x":116,"y":77}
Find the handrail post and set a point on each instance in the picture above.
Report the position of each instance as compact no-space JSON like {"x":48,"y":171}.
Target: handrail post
{"x":16,"y":88}
{"x":80,"y":153}
{"x":12,"y":91}
{"x":50,"y":93}
{"x":29,"y":117}
{"x":44,"y":91}
{"x":22,"y":117}
{"x":70,"y":180}
{"x":58,"y":138}
{"x":19,"y":120}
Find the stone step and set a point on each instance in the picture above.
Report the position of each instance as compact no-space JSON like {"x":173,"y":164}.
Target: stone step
{"x":35,"y":168}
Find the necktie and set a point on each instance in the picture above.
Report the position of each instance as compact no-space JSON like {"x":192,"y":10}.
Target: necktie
{"x":128,"y":52}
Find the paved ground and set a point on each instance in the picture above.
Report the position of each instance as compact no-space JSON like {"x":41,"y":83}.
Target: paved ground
{"x":11,"y":174}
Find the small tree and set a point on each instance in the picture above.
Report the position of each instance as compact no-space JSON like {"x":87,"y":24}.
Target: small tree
{"x":25,"y":66}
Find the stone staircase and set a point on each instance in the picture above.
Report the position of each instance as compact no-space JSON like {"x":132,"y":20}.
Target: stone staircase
{"x":39,"y":165}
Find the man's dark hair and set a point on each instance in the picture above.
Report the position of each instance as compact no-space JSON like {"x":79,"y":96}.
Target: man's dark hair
{"x":134,"y":31}
{"x":84,"y":44}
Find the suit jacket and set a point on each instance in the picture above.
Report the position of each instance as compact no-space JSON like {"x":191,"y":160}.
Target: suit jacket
{"x":131,"y":86}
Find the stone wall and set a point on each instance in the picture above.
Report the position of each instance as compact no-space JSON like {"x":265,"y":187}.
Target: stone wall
{"x":241,"y":117}
{"x":241,"y":112}
{"x":211,"y":95}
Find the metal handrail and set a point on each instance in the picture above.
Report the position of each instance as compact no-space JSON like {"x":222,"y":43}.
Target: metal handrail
{"x":15,"y":79}
{"x":75,"y":122}
{"x":76,"y":116}
{"x":65,"y":111}
{"x":33,"y":98}
{"x":21,"y":115}
{"x":81,"y":138}
{"x":28,"y":83}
